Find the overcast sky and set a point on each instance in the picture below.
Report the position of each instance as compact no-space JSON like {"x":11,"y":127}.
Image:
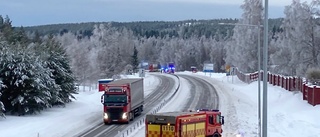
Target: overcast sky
{"x":41,"y":12}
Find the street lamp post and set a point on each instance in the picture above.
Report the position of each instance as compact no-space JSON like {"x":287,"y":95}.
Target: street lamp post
{"x":265,"y":61}
{"x":259,"y":68}
{"x":259,"y":80}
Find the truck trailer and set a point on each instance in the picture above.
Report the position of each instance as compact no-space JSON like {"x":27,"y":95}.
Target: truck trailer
{"x":103,"y":83}
{"x":122,"y":100}
{"x":201,"y":123}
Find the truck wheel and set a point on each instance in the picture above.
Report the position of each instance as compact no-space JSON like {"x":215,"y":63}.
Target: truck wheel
{"x":131,"y":116}
{"x":216,"y":135}
{"x":141,"y":109}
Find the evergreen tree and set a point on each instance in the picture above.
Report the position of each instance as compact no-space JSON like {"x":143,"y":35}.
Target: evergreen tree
{"x":57,"y":60}
{"x":21,"y":36}
{"x":1,"y":91}
{"x":25,"y":90}
{"x":6,"y":29}
{"x":1,"y":24}
{"x":36,"y":38}
{"x":135,"y":61}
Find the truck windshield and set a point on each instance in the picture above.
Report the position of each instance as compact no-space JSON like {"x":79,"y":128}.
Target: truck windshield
{"x":115,"y":99}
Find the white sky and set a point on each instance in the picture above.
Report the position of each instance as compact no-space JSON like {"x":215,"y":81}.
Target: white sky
{"x":288,"y":114}
{"x":41,"y":12}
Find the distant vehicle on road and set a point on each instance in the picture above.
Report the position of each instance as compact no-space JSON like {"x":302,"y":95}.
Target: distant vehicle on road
{"x":170,"y":67}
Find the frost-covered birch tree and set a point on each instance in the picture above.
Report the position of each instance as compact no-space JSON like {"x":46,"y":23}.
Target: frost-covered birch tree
{"x":300,"y":39}
{"x":217,"y":52}
{"x":242,"y":50}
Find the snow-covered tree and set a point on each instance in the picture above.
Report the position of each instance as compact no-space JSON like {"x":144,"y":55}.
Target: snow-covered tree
{"x":300,"y":41}
{"x":242,"y":50}
{"x":135,"y":61}
{"x":168,"y":51}
{"x":58,"y":61}
{"x":217,"y":52}
{"x":26,"y":82}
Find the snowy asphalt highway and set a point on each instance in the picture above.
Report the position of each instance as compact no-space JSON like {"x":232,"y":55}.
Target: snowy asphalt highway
{"x":203,"y":94}
{"x":194,"y":93}
{"x":166,"y":86}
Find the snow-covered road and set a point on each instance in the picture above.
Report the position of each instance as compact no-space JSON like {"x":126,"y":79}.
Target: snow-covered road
{"x":288,"y":114}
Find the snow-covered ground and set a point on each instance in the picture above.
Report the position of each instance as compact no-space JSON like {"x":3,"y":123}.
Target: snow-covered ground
{"x":288,"y":114}
{"x":62,"y":121}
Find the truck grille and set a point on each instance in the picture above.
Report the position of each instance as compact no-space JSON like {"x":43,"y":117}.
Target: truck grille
{"x":115,"y":113}
{"x":115,"y":104}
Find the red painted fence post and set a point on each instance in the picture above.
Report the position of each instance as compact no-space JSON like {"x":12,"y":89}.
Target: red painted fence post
{"x":282,"y":82}
{"x":285,"y":83}
{"x":305,"y":92}
{"x":295,"y":83}
{"x":273,"y":79}
{"x":316,"y":96}
{"x":309,"y":94}
{"x":290,"y":83}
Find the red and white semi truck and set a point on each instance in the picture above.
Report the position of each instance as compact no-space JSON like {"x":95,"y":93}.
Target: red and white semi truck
{"x":122,"y":100}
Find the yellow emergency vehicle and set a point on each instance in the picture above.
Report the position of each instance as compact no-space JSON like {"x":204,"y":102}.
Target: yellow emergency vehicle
{"x":201,"y":123}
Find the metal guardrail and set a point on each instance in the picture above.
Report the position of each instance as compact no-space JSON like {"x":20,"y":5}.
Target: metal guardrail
{"x":140,"y":122}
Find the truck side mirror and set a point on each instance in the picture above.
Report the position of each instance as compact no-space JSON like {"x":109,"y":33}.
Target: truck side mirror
{"x":222,"y":120}
{"x":102,"y":99}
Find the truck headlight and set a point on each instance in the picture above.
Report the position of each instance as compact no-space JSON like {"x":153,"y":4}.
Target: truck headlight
{"x":124,"y":116}
{"x":105,"y":116}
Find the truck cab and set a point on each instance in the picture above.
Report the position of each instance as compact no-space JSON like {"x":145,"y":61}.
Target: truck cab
{"x":122,"y":100}
{"x":202,"y":123}
{"x":115,"y":101}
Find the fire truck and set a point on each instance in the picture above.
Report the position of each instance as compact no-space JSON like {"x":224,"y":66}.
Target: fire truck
{"x":201,"y":123}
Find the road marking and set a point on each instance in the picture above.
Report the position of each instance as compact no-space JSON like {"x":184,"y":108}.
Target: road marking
{"x":90,"y":131}
{"x":102,"y":132}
